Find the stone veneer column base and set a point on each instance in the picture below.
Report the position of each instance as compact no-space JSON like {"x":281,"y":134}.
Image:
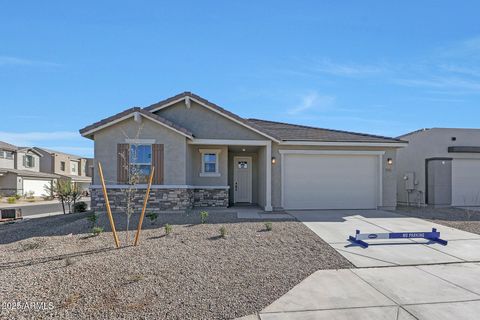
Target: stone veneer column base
{"x":162,"y":199}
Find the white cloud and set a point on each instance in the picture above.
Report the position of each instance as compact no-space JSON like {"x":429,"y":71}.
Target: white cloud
{"x":441,"y":82}
{"x":346,"y":69}
{"x":312,"y":101}
{"x":15,"y":61}
{"x":34,"y":138}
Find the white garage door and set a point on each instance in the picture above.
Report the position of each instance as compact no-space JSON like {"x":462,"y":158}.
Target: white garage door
{"x":466,"y":182}
{"x":37,"y":186}
{"x":318,"y":181}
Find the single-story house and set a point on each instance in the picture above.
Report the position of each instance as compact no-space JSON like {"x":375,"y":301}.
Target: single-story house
{"x":205,"y":155}
{"x":440,"y":167}
{"x":20,"y":171}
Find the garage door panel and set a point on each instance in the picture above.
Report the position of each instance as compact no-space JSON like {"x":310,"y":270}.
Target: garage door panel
{"x":36,"y":186}
{"x":330,"y":182}
{"x":466,"y":182}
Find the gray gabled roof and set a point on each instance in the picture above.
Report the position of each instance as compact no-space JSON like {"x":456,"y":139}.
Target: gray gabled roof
{"x":32,"y":174}
{"x":126,"y":113}
{"x":50,"y":151}
{"x":295,"y":132}
{"x":7,"y":146}
{"x":278,"y":131}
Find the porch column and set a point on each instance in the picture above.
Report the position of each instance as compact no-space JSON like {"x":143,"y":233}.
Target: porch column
{"x":268,"y":187}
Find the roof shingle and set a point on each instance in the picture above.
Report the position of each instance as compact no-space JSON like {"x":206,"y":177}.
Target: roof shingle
{"x":295,"y":132}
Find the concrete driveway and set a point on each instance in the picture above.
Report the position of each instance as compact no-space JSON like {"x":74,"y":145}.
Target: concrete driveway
{"x":436,"y":292}
{"x":335,"y":226}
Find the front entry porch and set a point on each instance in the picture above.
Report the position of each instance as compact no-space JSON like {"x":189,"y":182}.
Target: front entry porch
{"x":248,"y":169}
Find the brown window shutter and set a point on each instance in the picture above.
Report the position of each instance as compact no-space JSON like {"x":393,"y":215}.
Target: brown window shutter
{"x":157,"y":162}
{"x":123,"y":158}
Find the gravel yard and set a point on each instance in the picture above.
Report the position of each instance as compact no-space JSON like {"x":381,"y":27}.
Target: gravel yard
{"x":459,"y":218}
{"x":191,"y":274}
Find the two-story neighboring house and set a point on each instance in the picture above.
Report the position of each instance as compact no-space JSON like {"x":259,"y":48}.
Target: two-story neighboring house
{"x":20,"y":171}
{"x":66,"y":165}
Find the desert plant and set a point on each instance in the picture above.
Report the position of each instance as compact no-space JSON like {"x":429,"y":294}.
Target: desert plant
{"x":268,"y":226}
{"x":223,"y":231}
{"x":135,"y":176}
{"x":80,"y":206}
{"x":152,"y":216}
{"x":11,"y":200}
{"x":65,"y":191}
{"x":30,"y":246}
{"x":97,"y":230}
{"x":93,"y":218}
{"x":168,"y":229}
{"x":203,"y":216}
{"x":30,"y":199}
{"x":17,"y":196}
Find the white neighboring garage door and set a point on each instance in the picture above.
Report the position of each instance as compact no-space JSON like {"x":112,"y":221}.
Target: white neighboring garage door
{"x":37,"y":186}
{"x":330,"y":181}
{"x":466,"y":182}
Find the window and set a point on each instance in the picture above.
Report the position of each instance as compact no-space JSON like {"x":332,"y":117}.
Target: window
{"x":209,"y":163}
{"x":28,"y":161}
{"x":62,"y":165}
{"x":6,"y":154}
{"x":74,"y":167}
{"x":141,"y":161}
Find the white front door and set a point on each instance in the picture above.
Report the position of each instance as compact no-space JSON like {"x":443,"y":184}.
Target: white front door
{"x":242,"y":179}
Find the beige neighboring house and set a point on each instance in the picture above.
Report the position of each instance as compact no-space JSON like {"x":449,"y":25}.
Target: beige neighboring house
{"x":204,"y":155}
{"x":440,"y":167}
{"x":20,"y":171}
{"x":70,"y":166}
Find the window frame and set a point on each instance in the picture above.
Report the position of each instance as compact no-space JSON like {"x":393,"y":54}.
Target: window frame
{"x":63,"y":166}
{"x":204,"y":152}
{"x":130,"y":163}
{"x":72,"y":165}
{"x":25,"y":161}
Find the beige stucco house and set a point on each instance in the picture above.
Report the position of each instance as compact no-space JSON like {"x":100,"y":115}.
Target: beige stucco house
{"x":440,"y":167}
{"x":20,"y":171}
{"x":66,"y":165}
{"x":205,"y":155}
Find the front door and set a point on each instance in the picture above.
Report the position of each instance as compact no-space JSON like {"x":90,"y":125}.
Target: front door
{"x":242,"y":179}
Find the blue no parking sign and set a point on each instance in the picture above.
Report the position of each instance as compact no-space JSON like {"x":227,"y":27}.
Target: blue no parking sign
{"x":434,"y":235}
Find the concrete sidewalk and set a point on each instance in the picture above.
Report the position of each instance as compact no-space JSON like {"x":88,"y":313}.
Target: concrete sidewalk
{"x":334,"y":227}
{"x":437,"y":292}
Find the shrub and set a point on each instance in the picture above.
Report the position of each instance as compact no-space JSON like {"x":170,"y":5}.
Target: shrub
{"x":268,"y":226}
{"x":17,"y":196}
{"x":80,"y":206}
{"x":203,"y":216}
{"x":11,"y":200}
{"x":93,"y":218}
{"x":30,"y":200}
{"x":97,"y":230}
{"x":168,"y":229}
{"x":152,"y":216}
{"x":223,"y":232}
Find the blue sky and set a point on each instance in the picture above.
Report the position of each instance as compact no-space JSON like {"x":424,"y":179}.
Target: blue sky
{"x":381,"y":67}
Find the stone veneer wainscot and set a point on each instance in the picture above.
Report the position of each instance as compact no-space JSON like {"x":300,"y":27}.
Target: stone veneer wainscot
{"x":162,"y":198}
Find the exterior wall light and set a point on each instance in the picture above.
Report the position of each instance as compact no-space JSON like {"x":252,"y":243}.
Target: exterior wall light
{"x":389,"y":161}
{"x":274,"y":160}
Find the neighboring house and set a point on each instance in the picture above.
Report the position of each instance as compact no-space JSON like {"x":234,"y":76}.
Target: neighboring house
{"x":440,"y":167}
{"x":205,"y":155}
{"x":20,"y":171}
{"x":66,"y":165}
